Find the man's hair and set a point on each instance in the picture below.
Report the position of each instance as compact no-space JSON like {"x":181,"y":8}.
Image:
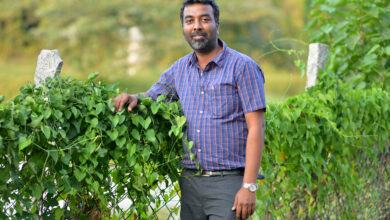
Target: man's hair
{"x":206,"y":2}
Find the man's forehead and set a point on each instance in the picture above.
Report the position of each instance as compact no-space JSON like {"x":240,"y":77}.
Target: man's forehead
{"x":198,"y":9}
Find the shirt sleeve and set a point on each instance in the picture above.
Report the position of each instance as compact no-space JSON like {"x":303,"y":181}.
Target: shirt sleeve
{"x":250,"y":85}
{"x":165,"y":86}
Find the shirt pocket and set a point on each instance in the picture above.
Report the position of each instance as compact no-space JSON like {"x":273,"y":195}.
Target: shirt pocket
{"x":222,"y":100}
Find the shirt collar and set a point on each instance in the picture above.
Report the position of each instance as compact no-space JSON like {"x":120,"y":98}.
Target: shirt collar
{"x":218,"y":60}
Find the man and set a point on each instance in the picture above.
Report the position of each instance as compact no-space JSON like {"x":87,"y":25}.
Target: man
{"x":222,"y":96}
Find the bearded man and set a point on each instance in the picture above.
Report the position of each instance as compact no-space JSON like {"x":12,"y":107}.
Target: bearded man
{"x":222,"y":95}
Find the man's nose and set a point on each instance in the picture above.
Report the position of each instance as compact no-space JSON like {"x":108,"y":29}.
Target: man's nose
{"x":198,"y":25}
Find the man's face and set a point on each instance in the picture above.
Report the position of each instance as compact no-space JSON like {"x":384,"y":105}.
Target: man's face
{"x":199,"y":27}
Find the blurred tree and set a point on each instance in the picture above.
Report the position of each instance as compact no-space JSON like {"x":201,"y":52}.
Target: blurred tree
{"x":252,"y":25}
{"x":94,"y":34}
{"x":17,"y":19}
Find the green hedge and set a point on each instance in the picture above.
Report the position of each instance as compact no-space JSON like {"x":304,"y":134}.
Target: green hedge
{"x":63,"y":141}
{"x":357,"y":33}
{"x":326,"y":153}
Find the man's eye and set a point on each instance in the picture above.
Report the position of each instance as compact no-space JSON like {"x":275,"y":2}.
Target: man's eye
{"x":189,"y":21}
{"x":206,"y":19}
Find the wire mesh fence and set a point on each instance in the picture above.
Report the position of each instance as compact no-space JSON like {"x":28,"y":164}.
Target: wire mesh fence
{"x":370,"y":198}
{"x":164,"y":201}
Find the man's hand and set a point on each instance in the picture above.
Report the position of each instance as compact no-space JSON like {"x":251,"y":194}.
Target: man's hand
{"x":244,"y":203}
{"x":124,"y":98}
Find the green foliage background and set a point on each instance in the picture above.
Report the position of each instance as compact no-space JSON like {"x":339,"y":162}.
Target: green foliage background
{"x":327,"y":150}
{"x":92,"y":32}
{"x":358,"y":34}
{"x":93,"y":36}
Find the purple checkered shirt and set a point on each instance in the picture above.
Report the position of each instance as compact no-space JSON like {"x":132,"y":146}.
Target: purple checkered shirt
{"x":214,"y":100}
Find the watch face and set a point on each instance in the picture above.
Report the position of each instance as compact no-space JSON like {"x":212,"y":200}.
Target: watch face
{"x":252,"y":188}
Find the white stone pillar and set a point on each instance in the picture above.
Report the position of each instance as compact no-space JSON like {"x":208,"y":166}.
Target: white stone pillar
{"x":316,"y":60}
{"x":49,"y":64}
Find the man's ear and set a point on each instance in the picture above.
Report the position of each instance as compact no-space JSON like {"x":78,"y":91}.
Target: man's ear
{"x":217,"y":27}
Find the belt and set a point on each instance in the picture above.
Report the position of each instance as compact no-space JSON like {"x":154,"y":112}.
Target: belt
{"x":187,"y":172}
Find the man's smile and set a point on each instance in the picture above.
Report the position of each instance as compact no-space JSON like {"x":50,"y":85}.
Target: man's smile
{"x":198,"y":35}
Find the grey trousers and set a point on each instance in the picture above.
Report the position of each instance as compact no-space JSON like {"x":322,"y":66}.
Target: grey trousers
{"x":208,"y":198}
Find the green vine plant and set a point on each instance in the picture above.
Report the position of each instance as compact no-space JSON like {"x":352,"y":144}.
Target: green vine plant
{"x":327,"y":155}
{"x":63,"y":148}
{"x":357,"y":33}
{"x":65,"y":153}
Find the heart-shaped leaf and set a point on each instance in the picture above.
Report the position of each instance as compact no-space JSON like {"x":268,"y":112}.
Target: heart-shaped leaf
{"x":112,"y":134}
{"x":24,"y":142}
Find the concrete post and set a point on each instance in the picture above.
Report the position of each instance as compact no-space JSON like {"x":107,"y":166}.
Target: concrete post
{"x":49,"y":64}
{"x":316,"y":60}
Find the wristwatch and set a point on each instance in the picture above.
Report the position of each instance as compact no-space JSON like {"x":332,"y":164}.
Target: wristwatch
{"x":250,"y":186}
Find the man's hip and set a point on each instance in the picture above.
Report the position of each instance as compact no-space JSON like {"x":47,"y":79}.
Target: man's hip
{"x":209,"y":194}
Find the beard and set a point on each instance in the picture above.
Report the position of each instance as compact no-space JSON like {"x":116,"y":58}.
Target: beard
{"x":201,"y":45}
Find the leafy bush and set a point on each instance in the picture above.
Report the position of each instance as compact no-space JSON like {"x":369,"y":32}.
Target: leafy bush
{"x":64,"y":142}
{"x":358,"y":34}
{"x":327,"y":155}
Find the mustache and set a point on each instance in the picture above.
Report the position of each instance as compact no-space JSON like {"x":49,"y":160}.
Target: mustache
{"x":201,"y":33}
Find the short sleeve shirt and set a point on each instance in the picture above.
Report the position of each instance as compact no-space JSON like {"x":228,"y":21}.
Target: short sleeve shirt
{"x":215,"y":100}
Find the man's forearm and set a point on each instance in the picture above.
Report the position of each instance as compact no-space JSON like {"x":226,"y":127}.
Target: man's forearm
{"x":254,"y":152}
{"x":254,"y":146}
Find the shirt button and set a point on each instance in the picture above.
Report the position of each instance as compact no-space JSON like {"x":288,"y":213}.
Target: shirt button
{"x":201,"y":112}
{"x":202,"y":92}
{"x":198,"y":131}
{"x":199,"y":150}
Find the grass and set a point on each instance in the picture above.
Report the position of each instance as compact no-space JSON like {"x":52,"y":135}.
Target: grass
{"x":14,"y":74}
{"x":18,"y":72}
{"x":280,"y":83}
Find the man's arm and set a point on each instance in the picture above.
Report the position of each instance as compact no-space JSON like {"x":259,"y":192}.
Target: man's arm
{"x":124,"y":98}
{"x":245,"y":201}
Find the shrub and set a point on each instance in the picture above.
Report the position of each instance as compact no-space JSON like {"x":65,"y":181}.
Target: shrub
{"x":64,"y":142}
{"x":357,"y":33}
{"x":327,"y":155}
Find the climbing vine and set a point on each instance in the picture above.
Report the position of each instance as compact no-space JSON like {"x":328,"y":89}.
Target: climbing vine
{"x":63,"y":149}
